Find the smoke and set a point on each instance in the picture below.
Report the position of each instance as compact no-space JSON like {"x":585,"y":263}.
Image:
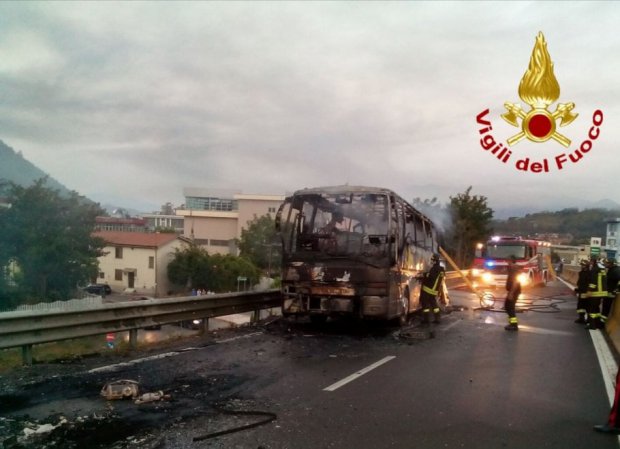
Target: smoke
{"x":439,"y":214}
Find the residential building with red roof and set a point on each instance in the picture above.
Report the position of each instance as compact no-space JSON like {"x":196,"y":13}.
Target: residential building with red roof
{"x":138,"y":261}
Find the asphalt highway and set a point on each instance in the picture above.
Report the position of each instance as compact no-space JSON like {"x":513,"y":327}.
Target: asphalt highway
{"x":465,"y":383}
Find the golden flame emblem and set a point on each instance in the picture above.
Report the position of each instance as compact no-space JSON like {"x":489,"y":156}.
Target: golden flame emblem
{"x":539,"y":88}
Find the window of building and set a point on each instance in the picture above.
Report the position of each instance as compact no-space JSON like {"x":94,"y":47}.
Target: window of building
{"x":205,"y":203}
{"x":151,"y":262}
{"x":101,"y":275}
{"x":215,"y":242}
{"x":118,"y":275}
{"x":272,"y":210}
{"x":119,"y":252}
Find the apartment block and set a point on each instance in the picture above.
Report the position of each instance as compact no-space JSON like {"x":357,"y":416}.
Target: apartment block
{"x":214,"y":218}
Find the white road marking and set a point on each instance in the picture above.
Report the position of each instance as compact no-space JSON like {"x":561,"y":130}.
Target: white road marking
{"x":606,"y":360}
{"x":359,"y":373}
{"x":117,"y":366}
{"x":449,"y":326}
{"x":132,"y":362}
{"x":540,"y":330}
{"x":226,"y":340}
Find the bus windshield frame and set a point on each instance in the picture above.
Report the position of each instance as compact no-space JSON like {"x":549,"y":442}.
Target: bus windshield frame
{"x":332,"y":224}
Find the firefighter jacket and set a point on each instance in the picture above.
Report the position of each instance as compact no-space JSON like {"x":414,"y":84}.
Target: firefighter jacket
{"x":433,"y":279}
{"x":583,"y":282}
{"x":598,"y":283}
{"x":613,"y":279}
{"x":512,"y":284}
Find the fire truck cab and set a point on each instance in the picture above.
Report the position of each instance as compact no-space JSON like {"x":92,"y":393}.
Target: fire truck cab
{"x":490,"y":268}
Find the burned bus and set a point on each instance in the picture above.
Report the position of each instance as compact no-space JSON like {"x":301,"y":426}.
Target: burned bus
{"x":352,"y":251}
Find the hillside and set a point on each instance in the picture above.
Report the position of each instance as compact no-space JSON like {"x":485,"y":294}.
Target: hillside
{"x":14,"y":168}
{"x":580,"y":224}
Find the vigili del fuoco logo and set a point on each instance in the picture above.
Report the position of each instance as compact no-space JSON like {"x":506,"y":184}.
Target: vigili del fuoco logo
{"x":539,"y":89}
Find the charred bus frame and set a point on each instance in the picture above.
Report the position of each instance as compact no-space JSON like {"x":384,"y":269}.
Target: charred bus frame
{"x":352,"y":250}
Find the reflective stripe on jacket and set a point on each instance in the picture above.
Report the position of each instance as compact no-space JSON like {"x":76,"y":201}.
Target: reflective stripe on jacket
{"x":598,"y":284}
{"x":436,"y":272}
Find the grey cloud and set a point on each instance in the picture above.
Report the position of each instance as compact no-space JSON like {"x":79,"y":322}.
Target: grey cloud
{"x":271,"y":97}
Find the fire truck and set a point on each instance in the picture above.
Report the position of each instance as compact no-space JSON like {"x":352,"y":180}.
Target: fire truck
{"x":490,"y":268}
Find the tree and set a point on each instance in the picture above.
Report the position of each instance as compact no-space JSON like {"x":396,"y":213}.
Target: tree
{"x":260,"y":245}
{"x":49,"y":239}
{"x":193,"y":268}
{"x":190,"y":267}
{"x":227,"y":269}
{"x":573,"y":226}
{"x":471,"y":218}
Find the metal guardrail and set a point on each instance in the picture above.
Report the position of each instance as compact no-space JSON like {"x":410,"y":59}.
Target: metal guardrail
{"x":27,"y":328}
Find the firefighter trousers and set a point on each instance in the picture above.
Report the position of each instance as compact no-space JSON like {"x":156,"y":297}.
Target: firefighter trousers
{"x":606,"y":309}
{"x":510,"y":305}
{"x":429,"y":303}
{"x":594,"y":312}
{"x":582,"y":305}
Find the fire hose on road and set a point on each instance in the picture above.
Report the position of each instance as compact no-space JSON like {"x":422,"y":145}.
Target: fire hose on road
{"x":487,"y":299}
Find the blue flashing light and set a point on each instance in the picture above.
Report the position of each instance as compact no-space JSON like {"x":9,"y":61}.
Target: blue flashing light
{"x":489,"y":263}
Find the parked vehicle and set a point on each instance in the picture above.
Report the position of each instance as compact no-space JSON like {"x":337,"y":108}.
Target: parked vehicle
{"x":98,"y":289}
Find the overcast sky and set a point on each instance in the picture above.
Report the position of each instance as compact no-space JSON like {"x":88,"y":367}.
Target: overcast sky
{"x":131,"y":102}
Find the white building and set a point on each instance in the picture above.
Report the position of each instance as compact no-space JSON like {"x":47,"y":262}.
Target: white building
{"x":215,"y":218}
{"x":137,"y":261}
{"x":612,"y":240}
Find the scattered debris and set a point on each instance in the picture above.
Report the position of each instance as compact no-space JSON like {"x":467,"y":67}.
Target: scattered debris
{"x":120,"y":389}
{"x":416,"y":334}
{"x":37,"y":429}
{"x":152,"y":397}
{"x":268,"y":417}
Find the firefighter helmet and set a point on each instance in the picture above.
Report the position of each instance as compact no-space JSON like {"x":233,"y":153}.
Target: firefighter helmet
{"x":435,"y":258}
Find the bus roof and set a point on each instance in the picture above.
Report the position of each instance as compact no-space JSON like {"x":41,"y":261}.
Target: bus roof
{"x":334,"y":190}
{"x":345,"y":188}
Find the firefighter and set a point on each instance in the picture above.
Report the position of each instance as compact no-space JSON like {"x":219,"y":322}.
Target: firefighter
{"x":582,"y":291}
{"x":597,"y":290}
{"x":513,"y":290}
{"x":431,"y":283}
{"x":613,"y":278}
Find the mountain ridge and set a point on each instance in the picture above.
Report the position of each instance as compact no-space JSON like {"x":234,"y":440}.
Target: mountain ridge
{"x":14,"y":168}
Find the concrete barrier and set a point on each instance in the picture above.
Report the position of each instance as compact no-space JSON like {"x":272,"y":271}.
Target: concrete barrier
{"x":612,"y":327}
{"x":570,"y":273}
